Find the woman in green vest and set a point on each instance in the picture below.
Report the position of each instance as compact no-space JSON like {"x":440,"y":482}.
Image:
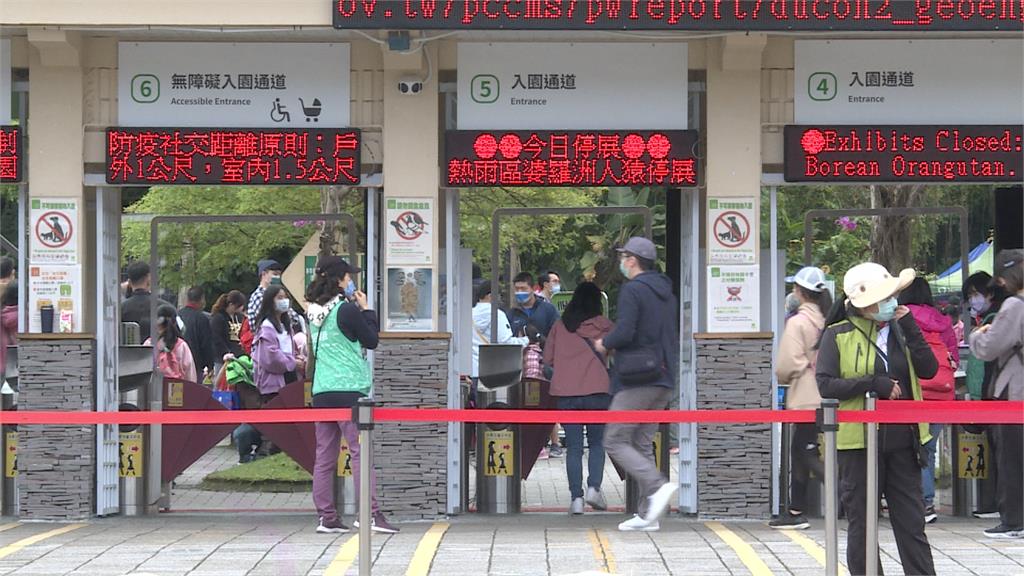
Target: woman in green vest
{"x":871,"y":344}
{"x":342,"y":328}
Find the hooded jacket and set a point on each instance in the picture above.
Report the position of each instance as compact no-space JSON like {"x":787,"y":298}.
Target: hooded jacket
{"x":578,"y":371}
{"x":482,"y":333}
{"x":798,"y":356}
{"x":648,"y":313}
{"x":273,"y":356}
{"x":934,"y":326}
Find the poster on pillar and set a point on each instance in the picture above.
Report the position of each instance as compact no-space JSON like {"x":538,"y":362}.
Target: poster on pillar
{"x":54,"y":223}
{"x":410,"y":303}
{"x":410,"y":231}
{"x":733,"y":299}
{"x":55,"y":292}
{"x":732,"y":230}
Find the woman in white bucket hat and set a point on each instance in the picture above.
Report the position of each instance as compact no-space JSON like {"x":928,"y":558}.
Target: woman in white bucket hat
{"x":874,"y":345}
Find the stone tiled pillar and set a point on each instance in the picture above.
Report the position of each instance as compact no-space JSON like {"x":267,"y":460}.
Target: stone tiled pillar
{"x":56,"y":464}
{"x":411,"y":371}
{"x":735,"y":460}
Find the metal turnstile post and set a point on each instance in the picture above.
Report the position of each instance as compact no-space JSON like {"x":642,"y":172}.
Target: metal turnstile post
{"x":498,"y":456}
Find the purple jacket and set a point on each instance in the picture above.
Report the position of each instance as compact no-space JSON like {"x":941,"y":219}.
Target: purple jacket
{"x":270,"y":360}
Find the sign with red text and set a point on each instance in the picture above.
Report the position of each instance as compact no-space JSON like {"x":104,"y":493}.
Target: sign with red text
{"x":54,"y":222}
{"x":576,"y":86}
{"x":571,"y":158}
{"x":11,"y":152}
{"x":965,"y":81}
{"x":732,"y":230}
{"x":752,"y":15}
{"x":233,"y":156}
{"x":949,"y":154}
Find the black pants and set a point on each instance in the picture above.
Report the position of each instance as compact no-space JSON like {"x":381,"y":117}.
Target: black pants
{"x":803,"y":460}
{"x":1010,"y":453}
{"x":899,"y":480}
{"x":988,"y":492}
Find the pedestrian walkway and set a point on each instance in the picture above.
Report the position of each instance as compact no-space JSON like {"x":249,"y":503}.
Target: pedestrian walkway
{"x":531,"y":544}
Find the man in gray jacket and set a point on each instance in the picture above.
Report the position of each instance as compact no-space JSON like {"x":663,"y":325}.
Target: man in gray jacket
{"x":645,"y":334}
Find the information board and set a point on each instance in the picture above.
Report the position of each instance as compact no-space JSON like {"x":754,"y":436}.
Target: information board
{"x":571,"y":158}
{"x":753,"y":15}
{"x":936,"y":153}
{"x":233,"y":156}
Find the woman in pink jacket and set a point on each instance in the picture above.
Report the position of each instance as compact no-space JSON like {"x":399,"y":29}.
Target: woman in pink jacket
{"x":174,"y":358}
{"x":580,"y":382}
{"x":937,"y":329}
{"x":273,"y":350}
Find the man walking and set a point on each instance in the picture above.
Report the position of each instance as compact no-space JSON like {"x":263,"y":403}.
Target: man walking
{"x":645,"y":342}
{"x":198,"y":334}
{"x":529,"y":309}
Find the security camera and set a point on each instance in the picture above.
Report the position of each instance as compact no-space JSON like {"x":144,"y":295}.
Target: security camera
{"x":410,"y":86}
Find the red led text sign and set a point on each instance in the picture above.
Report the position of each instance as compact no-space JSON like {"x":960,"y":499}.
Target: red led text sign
{"x":766,"y":15}
{"x":11,"y":152}
{"x":904,"y":154}
{"x":571,"y":158}
{"x":232,"y":156}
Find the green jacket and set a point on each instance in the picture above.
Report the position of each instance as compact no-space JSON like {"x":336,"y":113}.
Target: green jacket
{"x":846,"y":369}
{"x":340,"y":364}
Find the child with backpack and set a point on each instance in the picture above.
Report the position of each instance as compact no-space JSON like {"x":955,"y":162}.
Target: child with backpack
{"x":174,"y":358}
{"x":937,"y":329}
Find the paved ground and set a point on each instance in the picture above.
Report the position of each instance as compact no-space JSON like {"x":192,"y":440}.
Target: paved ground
{"x":532,"y":544}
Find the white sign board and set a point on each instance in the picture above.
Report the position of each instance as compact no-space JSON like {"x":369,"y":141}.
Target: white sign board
{"x":233,"y":85}
{"x":410,"y":231}
{"x":54,"y":231}
{"x":6,"y":87}
{"x":60,"y":287}
{"x":584,"y":86}
{"x":732,"y":230}
{"x":733,"y":299}
{"x":909,"y":81}
{"x":410,"y":306}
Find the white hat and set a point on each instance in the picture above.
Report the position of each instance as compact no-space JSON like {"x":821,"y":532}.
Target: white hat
{"x":869,"y":283}
{"x":809,"y":277}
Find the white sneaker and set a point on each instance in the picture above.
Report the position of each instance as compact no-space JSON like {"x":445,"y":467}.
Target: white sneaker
{"x":596,"y":499}
{"x":576,"y":507}
{"x":659,"y":501}
{"x":638,"y":524}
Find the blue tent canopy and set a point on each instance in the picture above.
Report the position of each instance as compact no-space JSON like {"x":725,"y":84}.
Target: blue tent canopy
{"x":971,"y":257}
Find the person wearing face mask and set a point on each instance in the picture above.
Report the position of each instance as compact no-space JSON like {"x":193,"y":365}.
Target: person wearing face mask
{"x":269,"y":272}
{"x":529,"y":309}
{"x":872,"y":344}
{"x":273,"y":351}
{"x":550,"y":284}
{"x":342,"y":329}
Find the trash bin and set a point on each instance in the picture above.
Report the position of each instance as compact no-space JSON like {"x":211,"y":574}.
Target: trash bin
{"x":498,"y":446}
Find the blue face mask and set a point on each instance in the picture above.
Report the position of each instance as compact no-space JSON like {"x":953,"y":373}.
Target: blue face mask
{"x":350,"y":289}
{"x":886,"y":310}
{"x":556,"y":288}
{"x":622,"y":268}
{"x":523,"y":297}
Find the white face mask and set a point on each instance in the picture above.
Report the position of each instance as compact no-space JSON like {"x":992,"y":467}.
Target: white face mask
{"x":282,"y":305}
{"x":979,"y":305}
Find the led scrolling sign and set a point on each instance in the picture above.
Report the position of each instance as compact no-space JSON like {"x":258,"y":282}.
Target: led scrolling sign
{"x":253,"y":156}
{"x":949,"y":153}
{"x":11,"y":152}
{"x":759,"y":15}
{"x":571,"y":158}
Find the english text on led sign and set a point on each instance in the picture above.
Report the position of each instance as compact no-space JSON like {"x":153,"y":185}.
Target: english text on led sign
{"x":571,"y":158}
{"x":253,"y":156}
{"x":936,"y":153}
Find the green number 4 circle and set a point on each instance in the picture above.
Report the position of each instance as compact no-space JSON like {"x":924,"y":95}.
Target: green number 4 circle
{"x":821,"y":86}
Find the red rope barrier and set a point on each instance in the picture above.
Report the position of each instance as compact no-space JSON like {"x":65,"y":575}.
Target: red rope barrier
{"x":889,"y":412}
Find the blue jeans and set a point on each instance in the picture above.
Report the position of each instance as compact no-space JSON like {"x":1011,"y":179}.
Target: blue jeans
{"x":574,"y":442}
{"x":928,"y":472}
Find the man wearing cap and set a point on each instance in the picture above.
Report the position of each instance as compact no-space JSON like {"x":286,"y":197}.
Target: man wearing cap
{"x":645,"y":343}
{"x":267,"y":270}
{"x":875,"y":346}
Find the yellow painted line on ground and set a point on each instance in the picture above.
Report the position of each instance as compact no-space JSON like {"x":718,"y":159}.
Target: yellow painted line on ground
{"x":812,"y":548}
{"x":426,"y":549}
{"x":347,"y":554}
{"x":747,"y":554}
{"x":602,"y":551}
{"x":24,"y":542}
{"x":6,"y":527}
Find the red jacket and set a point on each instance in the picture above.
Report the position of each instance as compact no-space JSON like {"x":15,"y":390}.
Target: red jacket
{"x":578,"y":371}
{"x":937,"y":327}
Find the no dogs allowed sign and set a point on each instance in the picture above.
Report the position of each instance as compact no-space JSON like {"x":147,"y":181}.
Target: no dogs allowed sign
{"x":54,"y":222}
{"x":732,"y":227}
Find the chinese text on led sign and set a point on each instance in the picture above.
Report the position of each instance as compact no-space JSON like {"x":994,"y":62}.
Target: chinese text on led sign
{"x":232,"y":156}
{"x":903,"y":154}
{"x":10,"y":154}
{"x":571,"y":158}
{"x":897,"y":15}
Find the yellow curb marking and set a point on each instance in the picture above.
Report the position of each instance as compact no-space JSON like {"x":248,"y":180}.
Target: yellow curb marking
{"x":24,"y":542}
{"x":343,"y":560}
{"x":426,"y":549}
{"x":6,"y":527}
{"x":746,"y":553}
{"x":602,"y":551}
{"x":812,"y":548}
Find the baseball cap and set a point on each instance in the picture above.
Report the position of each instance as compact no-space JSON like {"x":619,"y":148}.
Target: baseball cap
{"x":264,"y":265}
{"x":334,"y":265}
{"x":810,"y":277}
{"x":641,"y":247}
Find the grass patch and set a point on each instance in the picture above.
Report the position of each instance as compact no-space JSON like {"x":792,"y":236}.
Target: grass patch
{"x":277,"y":473}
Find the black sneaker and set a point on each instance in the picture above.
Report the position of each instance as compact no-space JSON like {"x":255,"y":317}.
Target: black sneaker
{"x":331,"y":526}
{"x":988,"y":515}
{"x":787,"y":521}
{"x":929,"y":515}
{"x":379,"y":523}
{"x":1005,"y":532}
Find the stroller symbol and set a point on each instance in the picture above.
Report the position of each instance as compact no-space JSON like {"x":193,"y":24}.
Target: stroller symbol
{"x":312,"y":112}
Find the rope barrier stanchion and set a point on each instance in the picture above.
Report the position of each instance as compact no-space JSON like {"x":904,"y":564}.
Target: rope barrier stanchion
{"x":871,"y":528}
{"x":829,"y":425}
{"x":363,"y":417}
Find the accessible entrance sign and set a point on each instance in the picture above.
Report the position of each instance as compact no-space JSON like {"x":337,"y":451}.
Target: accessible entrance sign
{"x":53,"y":231}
